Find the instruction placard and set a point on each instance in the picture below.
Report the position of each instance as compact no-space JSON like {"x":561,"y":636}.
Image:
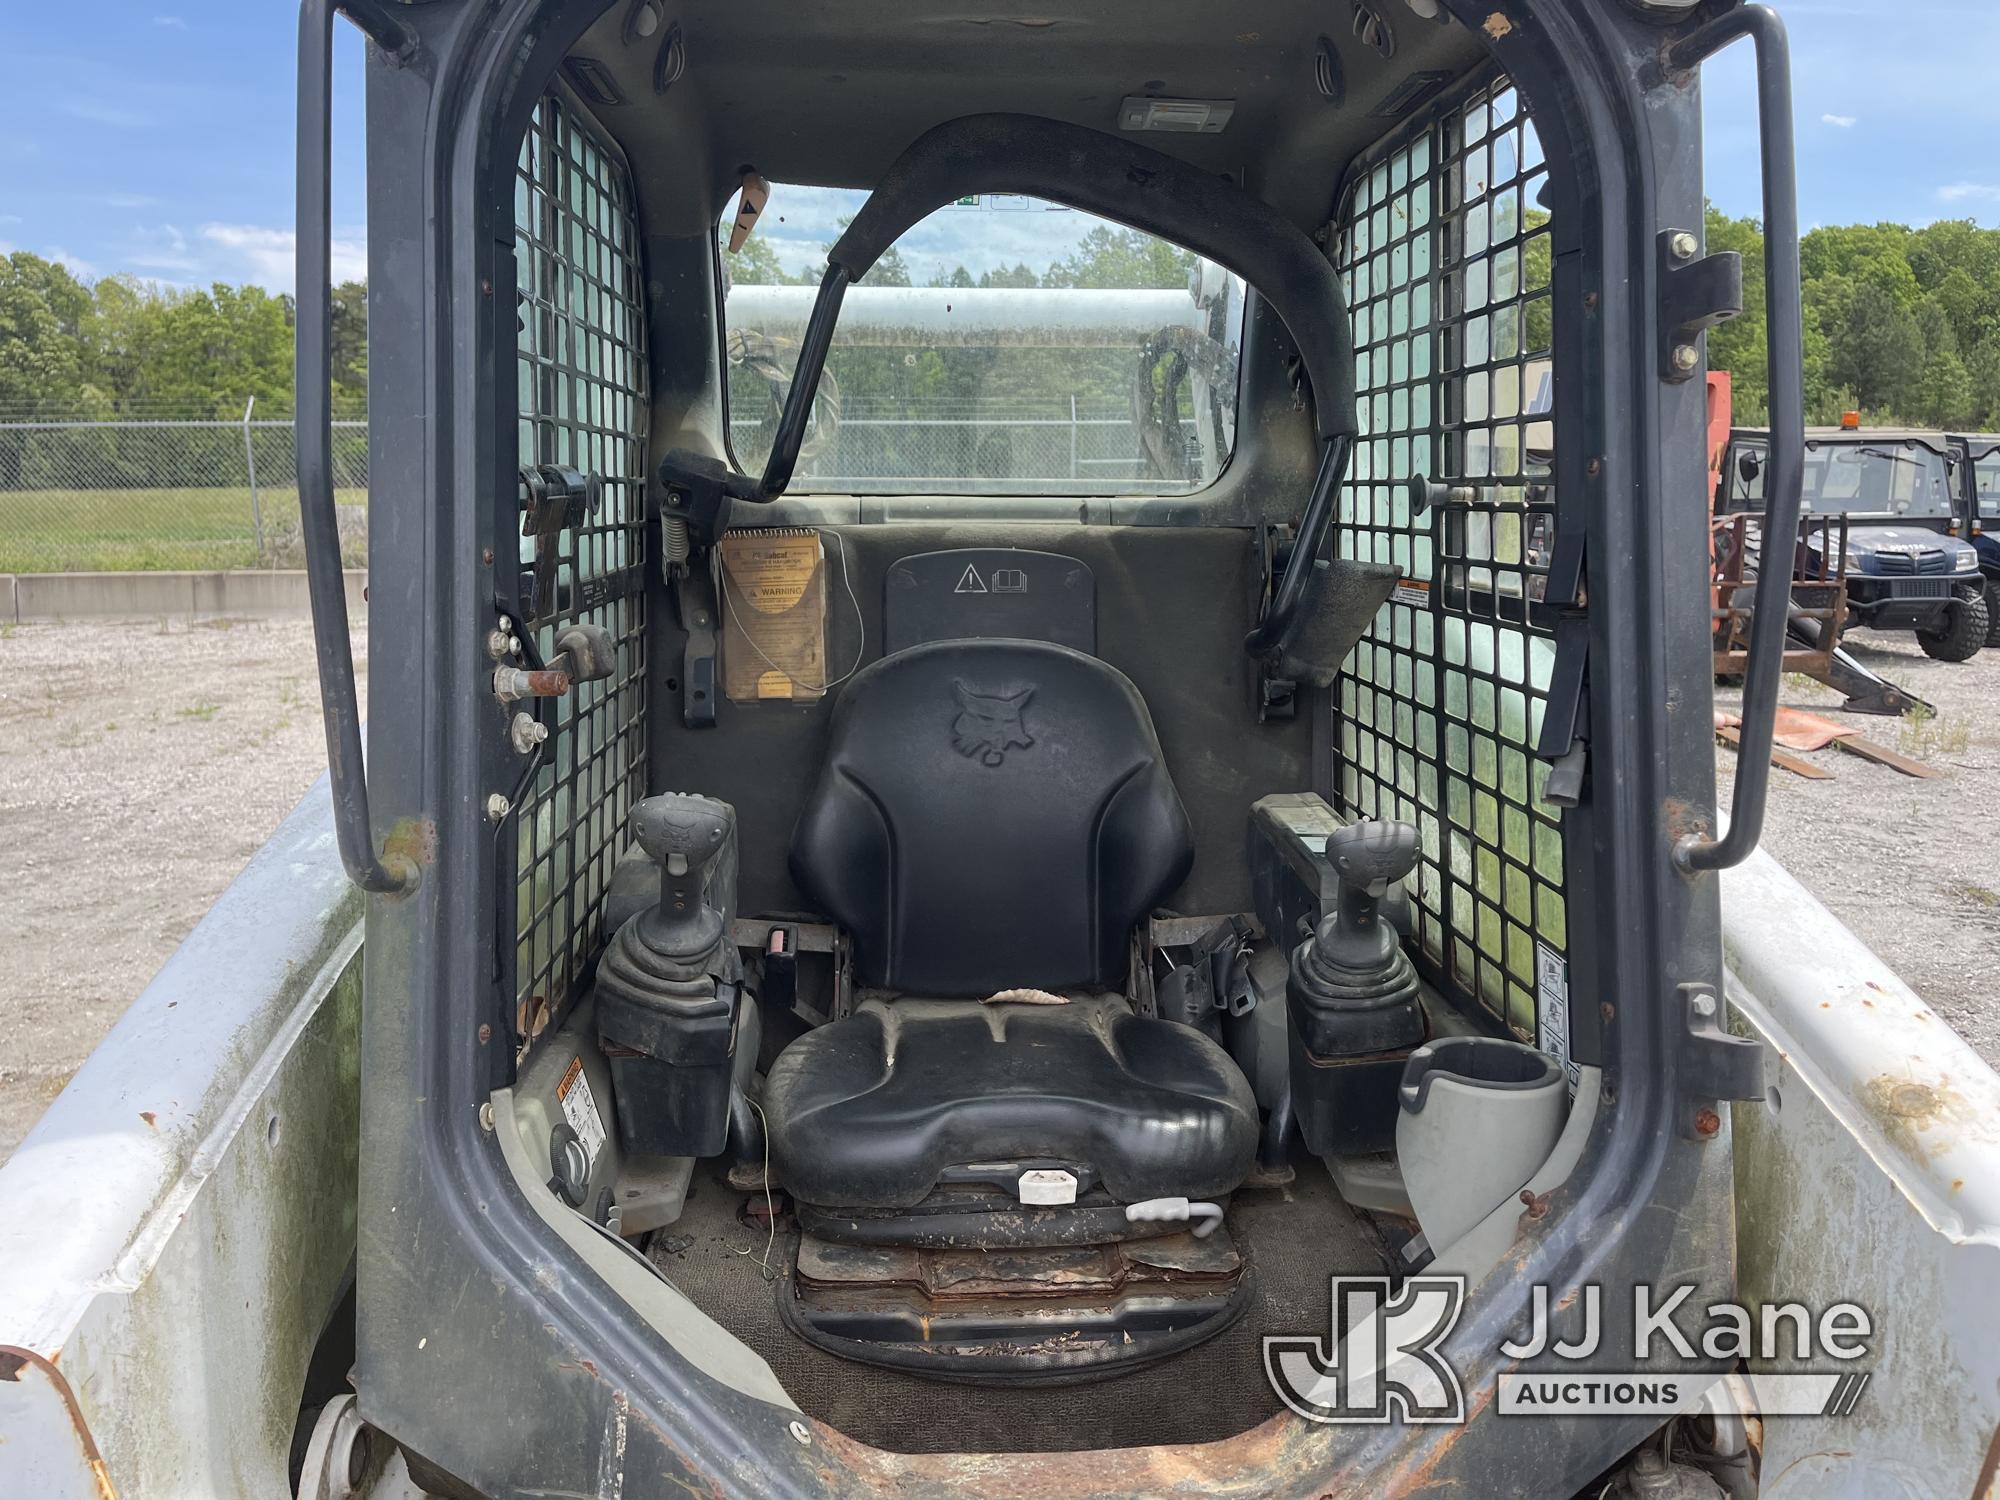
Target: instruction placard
{"x":773,"y":591}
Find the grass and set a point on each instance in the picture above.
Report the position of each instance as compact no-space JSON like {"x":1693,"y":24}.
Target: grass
{"x":1925,"y":733}
{"x":111,"y":531}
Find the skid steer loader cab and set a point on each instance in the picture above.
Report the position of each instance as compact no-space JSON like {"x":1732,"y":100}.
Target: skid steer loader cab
{"x":958,"y":856}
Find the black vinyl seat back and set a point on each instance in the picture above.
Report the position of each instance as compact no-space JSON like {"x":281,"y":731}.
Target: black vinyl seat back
{"x":993,"y":814}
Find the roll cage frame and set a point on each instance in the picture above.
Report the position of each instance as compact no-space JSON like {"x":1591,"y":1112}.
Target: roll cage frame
{"x":539,"y":1369}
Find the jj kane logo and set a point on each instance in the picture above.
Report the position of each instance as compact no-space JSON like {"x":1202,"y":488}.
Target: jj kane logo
{"x":1381,"y":1359}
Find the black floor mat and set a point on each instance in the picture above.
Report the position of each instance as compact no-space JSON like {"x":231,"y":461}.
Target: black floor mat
{"x":1295,"y":1238}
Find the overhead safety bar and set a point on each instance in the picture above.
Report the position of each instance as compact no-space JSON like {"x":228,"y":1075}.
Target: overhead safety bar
{"x":1117,"y":179}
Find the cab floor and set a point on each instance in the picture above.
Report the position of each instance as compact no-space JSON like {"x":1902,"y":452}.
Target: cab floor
{"x":1294,"y":1238}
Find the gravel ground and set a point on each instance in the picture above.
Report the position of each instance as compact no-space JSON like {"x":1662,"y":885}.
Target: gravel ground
{"x":164,"y":755}
{"x":1912,"y":866}
{"x":141,"y":765}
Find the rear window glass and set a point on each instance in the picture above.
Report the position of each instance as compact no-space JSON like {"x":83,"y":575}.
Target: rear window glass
{"x":1003,"y":346}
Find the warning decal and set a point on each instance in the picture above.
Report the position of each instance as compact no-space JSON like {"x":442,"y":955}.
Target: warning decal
{"x":580,"y":1109}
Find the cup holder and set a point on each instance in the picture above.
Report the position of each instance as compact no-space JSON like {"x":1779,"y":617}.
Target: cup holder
{"x":1478,"y":1115}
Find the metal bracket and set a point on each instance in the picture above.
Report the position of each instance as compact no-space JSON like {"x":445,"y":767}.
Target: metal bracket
{"x":1565,"y":739}
{"x":694,"y":596}
{"x":1696,"y":292}
{"x":696,"y":491}
{"x":1715,"y":1065}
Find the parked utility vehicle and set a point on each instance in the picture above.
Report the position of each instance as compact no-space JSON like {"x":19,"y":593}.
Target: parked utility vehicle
{"x":1905,"y":568}
{"x":1204,"y":979}
{"x":1975,"y":482}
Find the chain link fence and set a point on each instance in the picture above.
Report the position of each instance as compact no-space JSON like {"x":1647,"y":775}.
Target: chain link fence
{"x":185,"y":493}
{"x":166,"y":493}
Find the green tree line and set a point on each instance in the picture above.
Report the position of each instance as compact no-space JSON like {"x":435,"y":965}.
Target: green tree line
{"x":119,"y":346}
{"x":1901,"y":324}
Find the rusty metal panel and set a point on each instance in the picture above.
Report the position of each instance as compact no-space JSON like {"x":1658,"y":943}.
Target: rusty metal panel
{"x":175,"y":1231}
{"x":1869,"y":1173}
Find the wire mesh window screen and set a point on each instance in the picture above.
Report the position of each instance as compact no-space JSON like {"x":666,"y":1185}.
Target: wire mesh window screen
{"x":1446,"y":253}
{"x":581,"y":387}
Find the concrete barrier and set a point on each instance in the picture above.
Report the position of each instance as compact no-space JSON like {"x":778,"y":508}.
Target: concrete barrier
{"x":247,"y":594}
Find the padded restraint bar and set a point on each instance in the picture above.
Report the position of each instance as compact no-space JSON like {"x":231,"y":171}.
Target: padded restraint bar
{"x":1137,"y":186}
{"x":1117,"y":179}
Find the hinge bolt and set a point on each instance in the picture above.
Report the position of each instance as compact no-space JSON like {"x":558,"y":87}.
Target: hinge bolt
{"x":527,"y":732}
{"x":486,"y":1117}
{"x":1704,"y":1005}
{"x":1685,"y":245}
{"x":1686,"y":357}
{"x":497,"y":806}
{"x":801,"y":1433}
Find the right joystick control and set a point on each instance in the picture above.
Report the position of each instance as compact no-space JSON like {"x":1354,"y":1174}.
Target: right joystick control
{"x":1352,"y":998}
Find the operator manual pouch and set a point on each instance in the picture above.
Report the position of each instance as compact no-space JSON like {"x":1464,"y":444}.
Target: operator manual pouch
{"x":773,"y":591}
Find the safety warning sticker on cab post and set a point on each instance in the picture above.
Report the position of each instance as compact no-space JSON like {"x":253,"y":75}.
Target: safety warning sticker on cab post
{"x":773,"y":589}
{"x":1415,"y":591}
{"x":580,"y":1109}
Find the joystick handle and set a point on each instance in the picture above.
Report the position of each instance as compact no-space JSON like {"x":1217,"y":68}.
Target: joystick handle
{"x":1366,"y":857}
{"x":683,"y":832}
{"x":1369,"y":855}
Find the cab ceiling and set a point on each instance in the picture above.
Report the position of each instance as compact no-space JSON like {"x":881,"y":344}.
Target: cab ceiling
{"x":830,"y":93}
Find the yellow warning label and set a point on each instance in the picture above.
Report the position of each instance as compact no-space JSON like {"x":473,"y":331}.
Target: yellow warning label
{"x":773,"y":589}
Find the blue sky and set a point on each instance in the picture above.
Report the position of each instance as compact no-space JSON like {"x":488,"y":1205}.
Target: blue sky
{"x":156,"y":138}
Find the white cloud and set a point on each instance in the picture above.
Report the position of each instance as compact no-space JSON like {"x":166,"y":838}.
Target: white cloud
{"x":1961,"y":192}
{"x":163,"y":248}
{"x":268,"y":255}
{"x":127,"y":200}
{"x":10,"y":218}
{"x":102,"y":112}
{"x":1840,"y":122}
{"x":80,"y":268}
{"x":172,"y":23}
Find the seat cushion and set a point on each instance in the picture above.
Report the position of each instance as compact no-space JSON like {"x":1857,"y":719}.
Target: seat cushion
{"x":991,"y":813}
{"x":867,"y":1112}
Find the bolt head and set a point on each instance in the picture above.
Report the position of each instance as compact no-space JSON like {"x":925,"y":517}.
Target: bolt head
{"x":1704,"y":1005}
{"x":1685,"y":245}
{"x":1686,"y":357}
{"x":497,"y":807}
{"x":801,"y":1433}
{"x":486,"y":1117}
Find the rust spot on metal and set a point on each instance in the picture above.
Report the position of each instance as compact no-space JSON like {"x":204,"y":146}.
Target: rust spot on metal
{"x":1537,"y":1203}
{"x":1683,"y":818}
{"x":1957,"y":1183}
{"x":12,"y":1361}
{"x":148,"y":1116}
{"x":1707,"y":1122}
{"x":547,"y":684}
{"x":1497,"y":26}
{"x":485,"y":1033}
{"x":412,"y":839}
{"x":1922,"y":1118}
{"x":1607,"y":1010}
{"x":1989,"y":1468}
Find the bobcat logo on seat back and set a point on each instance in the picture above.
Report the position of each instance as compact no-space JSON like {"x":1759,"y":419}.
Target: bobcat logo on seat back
{"x":989,"y":725}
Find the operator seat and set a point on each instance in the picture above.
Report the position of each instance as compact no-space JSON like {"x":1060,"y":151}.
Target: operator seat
{"x":995,"y":815}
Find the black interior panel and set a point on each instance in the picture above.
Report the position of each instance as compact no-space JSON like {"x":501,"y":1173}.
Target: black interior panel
{"x":1173,"y":605}
{"x":983,"y":592}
